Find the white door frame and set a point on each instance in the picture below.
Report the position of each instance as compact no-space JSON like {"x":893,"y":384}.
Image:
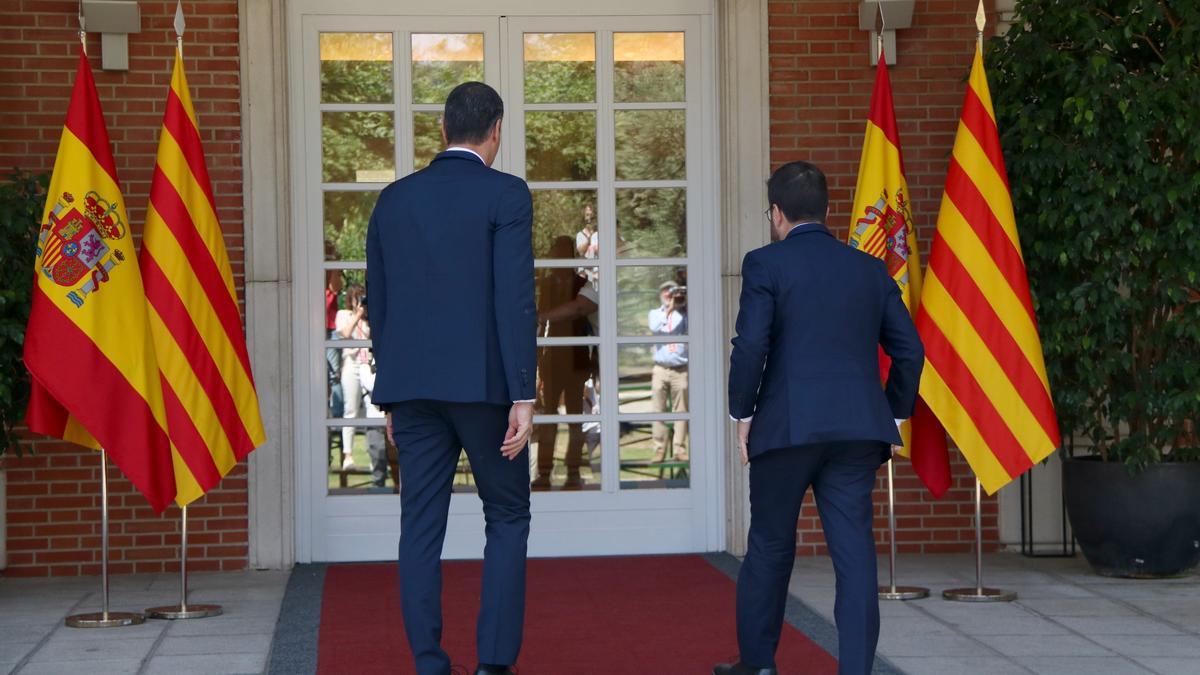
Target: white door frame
{"x":360,"y":516}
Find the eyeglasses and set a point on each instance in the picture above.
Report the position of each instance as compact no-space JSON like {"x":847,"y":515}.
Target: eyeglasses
{"x":767,"y":215}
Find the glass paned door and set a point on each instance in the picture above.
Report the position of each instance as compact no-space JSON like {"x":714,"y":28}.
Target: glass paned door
{"x":603,"y":119}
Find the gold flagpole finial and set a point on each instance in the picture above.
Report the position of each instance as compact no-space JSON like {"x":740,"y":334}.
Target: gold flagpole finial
{"x":980,"y":20}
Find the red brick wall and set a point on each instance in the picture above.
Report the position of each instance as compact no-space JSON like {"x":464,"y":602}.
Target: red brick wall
{"x":53,"y":492}
{"x":820,"y":83}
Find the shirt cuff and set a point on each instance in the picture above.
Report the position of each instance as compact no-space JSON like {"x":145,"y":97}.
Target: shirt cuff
{"x":744,"y":419}
{"x":899,"y":422}
{"x":528,"y":400}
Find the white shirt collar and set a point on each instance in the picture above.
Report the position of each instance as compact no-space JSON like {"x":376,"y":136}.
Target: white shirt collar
{"x":459,"y":148}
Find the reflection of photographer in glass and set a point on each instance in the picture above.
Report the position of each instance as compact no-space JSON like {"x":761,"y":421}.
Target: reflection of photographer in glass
{"x":562,"y":371}
{"x":670,"y":374}
{"x":358,"y":379}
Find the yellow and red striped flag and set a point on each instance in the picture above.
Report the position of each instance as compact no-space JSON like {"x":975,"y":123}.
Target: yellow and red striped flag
{"x":88,"y":346}
{"x":882,"y":226}
{"x":208,"y":389}
{"x":985,"y":377}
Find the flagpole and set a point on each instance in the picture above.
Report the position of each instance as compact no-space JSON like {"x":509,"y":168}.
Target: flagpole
{"x":979,"y":593}
{"x":104,"y":618}
{"x":892,"y":591}
{"x":183,"y":610}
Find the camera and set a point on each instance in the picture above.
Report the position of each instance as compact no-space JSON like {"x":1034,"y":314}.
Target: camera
{"x":680,"y":292}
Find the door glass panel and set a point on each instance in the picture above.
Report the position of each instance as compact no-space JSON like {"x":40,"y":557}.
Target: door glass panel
{"x":560,"y":67}
{"x":442,"y":61}
{"x":356,"y":67}
{"x":358,"y":147}
{"x":565,"y":456}
{"x":644,"y":294}
{"x":564,"y":224}
{"x":568,"y":302}
{"x":653,"y":378}
{"x":651,"y":144}
{"x":560,"y":145}
{"x":358,"y":456}
{"x":346,"y":218}
{"x":641,"y":465}
{"x":427,"y":138}
{"x":648,"y":67}
{"x":652,"y":222}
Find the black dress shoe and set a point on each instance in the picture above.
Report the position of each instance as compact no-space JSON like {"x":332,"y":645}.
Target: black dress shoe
{"x":488,"y":669}
{"x":740,"y":668}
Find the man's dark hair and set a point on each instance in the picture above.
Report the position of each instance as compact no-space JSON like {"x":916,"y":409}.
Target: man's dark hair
{"x":471,"y":111}
{"x":799,"y":190}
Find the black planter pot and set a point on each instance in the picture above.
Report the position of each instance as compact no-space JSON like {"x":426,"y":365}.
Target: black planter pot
{"x":1144,"y":526}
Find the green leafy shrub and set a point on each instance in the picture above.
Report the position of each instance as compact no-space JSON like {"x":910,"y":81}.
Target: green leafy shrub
{"x":21,"y":203}
{"x":1098,"y":103}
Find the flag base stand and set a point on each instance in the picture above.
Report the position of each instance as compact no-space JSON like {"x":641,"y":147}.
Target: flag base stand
{"x":979,"y":593}
{"x":104,"y":618}
{"x":892,"y":591}
{"x":183,"y":610}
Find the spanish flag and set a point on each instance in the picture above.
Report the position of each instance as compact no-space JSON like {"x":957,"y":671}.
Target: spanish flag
{"x":984,"y":377}
{"x":882,"y":226}
{"x":88,"y":344}
{"x":208,"y":390}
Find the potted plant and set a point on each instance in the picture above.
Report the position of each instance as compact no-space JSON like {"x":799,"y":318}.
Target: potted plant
{"x":1099,"y":107}
{"x":21,"y":203}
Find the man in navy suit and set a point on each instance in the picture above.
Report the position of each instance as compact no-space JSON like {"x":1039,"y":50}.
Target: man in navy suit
{"x":450,"y":284}
{"x":804,"y":387}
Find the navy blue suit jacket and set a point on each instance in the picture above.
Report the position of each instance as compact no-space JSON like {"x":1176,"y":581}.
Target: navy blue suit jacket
{"x":805,"y":360}
{"x":450,"y":294}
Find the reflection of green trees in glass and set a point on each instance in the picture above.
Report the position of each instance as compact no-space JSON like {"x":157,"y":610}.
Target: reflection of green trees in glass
{"x":652,"y":223}
{"x":559,"y":213}
{"x":427,"y":138}
{"x":356,"y":141}
{"x":346,"y":217}
{"x":560,"y":81}
{"x":637,"y":294}
{"x":433,"y":80}
{"x":356,"y":81}
{"x":651,"y":144}
{"x":648,"y":81}
{"x":560,"y":146}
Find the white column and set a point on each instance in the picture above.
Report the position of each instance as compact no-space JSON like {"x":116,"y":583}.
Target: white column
{"x":745,"y":165}
{"x":268,"y":278}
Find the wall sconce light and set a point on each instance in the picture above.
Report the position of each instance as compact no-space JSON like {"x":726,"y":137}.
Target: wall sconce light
{"x":896,"y":14}
{"x":114,"y":20}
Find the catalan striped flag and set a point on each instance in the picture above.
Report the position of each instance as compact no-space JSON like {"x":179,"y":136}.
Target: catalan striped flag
{"x":984,"y":376}
{"x":882,"y":226}
{"x":208,"y":389}
{"x":88,"y":343}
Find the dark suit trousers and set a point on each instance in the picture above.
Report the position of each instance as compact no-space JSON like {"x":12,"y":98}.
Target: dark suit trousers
{"x":429,"y":435}
{"x":842,"y":476}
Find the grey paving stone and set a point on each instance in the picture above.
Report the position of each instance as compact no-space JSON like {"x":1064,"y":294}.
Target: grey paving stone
{"x":149,"y":629}
{"x":214,"y":644}
{"x":114,"y":647}
{"x":209,"y":664}
{"x":1078,"y":607}
{"x":1007,"y":624}
{"x":26,"y":633}
{"x":940,"y":644}
{"x":222,"y":625}
{"x":1153,"y":645}
{"x":1117,"y":625}
{"x":1170,"y":665}
{"x":914,"y":627}
{"x":957,"y":665}
{"x":11,"y":652}
{"x":1043,"y":645}
{"x":96,"y":667}
{"x":1081,"y":665}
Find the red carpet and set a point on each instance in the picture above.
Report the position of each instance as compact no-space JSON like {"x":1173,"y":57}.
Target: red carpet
{"x":664,"y":615}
